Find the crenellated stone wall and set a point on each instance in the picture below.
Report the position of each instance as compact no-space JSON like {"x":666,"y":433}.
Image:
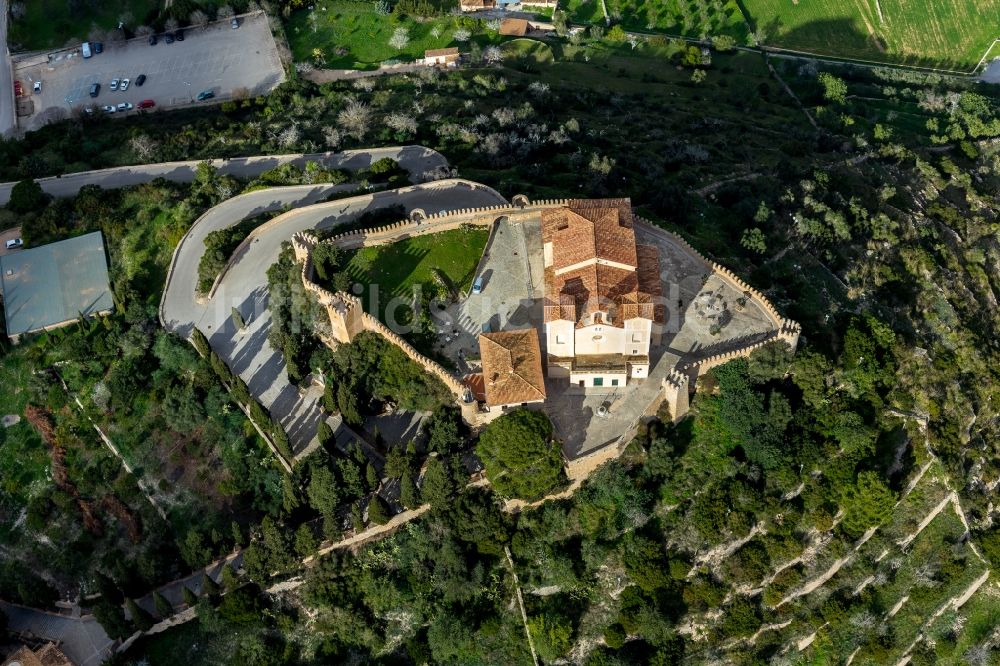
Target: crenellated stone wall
{"x":348,"y":318}
{"x":678,"y":384}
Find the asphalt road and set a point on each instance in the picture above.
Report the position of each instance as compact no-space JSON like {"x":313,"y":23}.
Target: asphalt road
{"x":419,"y":161}
{"x":7,"y":119}
{"x":248,"y":352}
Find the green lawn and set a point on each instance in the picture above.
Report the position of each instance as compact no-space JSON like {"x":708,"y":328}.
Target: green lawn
{"x":679,"y":16}
{"x":336,"y":26}
{"x":946,"y":33}
{"x":51,"y":23}
{"x":398,"y":267}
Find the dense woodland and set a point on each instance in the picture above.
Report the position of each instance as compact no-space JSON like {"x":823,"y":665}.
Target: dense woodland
{"x":862,"y":201}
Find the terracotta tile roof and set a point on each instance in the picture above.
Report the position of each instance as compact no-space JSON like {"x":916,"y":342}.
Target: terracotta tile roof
{"x":50,"y":655}
{"x":599,"y":231}
{"x":476,"y":4}
{"x":590,"y":228}
{"x":23,"y":656}
{"x":47,"y":655}
{"x":512,"y":367}
{"x":434,"y":53}
{"x":514,"y":27}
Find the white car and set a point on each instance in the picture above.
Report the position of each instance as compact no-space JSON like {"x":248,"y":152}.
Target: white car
{"x":110,"y":109}
{"x":37,"y":87}
{"x":114,"y":84}
{"x":124,"y":85}
{"x":125,"y":106}
{"x":15,"y":243}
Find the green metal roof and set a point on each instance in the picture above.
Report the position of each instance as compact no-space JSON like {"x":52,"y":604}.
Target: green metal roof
{"x":52,"y":284}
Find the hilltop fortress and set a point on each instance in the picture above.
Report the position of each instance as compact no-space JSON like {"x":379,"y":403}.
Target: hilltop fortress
{"x":626,"y":316}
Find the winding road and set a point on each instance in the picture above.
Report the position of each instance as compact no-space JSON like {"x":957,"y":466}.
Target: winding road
{"x":422,"y":163}
{"x":248,"y":352}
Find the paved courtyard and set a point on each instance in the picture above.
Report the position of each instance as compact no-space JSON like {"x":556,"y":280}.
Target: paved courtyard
{"x":511,"y":268}
{"x":215,"y":58}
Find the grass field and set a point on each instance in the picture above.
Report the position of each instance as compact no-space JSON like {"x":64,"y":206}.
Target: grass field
{"x":357,"y":28}
{"x":686,"y":17}
{"x":943,"y":33}
{"x":51,"y":23}
{"x":398,"y":267}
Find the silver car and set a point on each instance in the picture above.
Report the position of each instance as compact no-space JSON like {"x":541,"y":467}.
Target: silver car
{"x":114,"y":84}
{"x":125,"y":106}
{"x":110,"y":109}
{"x":124,"y":85}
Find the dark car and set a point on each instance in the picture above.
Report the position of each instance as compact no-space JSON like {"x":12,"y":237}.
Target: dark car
{"x":95,"y":89}
{"x":139,"y":80}
{"x":205,"y":94}
{"x":168,"y":38}
{"x":98,"y":47}
{"x":152,"y":40}
{"x":179,"y":35}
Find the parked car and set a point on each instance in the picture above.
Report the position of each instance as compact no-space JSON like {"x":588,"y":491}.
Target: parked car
{"x":89,"y":110}
{"x":85,"y":49}
{"x":37,"y":87}
{"x":125,"y":106}
{"x":124,"y":85}
{"x":235,"y":23}
{"x":95,"y":89}
{"x":139,"y":80}
{"x":477,"y":286}
{"x":146,"y":104}
{"x":114,"y":84}
{"x":168,"y":37}
{"x":14,"y":243}
{"x":98,"y":47}
{"x":205,"y":94}
{"x":179,"y":35}
{"x":152,"y":40}
{"x":110,"y":108}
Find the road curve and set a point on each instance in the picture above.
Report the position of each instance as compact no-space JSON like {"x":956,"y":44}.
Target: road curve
{"x":248,"y":352}
{"x":421,"y":162}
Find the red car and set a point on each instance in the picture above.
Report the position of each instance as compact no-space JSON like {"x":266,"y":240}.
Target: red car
{"x":146,"y":104}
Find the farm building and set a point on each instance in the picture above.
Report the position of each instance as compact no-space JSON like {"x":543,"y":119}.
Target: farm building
{"x":448,"y":56}
{"x":52,"y":285}
{"x":514,"y":27}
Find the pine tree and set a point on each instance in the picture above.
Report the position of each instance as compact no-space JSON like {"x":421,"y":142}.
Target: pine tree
{"x":163,"y":607}
{"x":324,"y":433}
{"x":289,"y":497}
{"x":356,"y":518}
{"x":437,"y":486}
{"x":234,"y":527}
{"x":230,"y":579}
{"x":378,"y":512}
{"x":305,"y":541}
{"x":408,"y":491}
{"x":141,"y":618}
{"x":190,"y":598}
{"x":209,"y":586}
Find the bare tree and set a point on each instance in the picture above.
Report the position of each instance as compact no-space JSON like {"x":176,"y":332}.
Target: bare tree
{"x":402,"y":123}
{"x":198,"y":18}
{"x":364,"y":84}
{"x":492,"y":55}
{"x":171,"y":24}
{"x":400,"y":38}
{"x":331,"y":135}
{"x":355,"y":119}
{"x":289,"y":136}
{"x":143,"y":147}
{"x":224,"y":12}
{"x":461,"y":35}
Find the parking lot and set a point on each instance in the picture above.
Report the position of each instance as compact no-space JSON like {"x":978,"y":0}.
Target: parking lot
{"x":216,"y":58}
